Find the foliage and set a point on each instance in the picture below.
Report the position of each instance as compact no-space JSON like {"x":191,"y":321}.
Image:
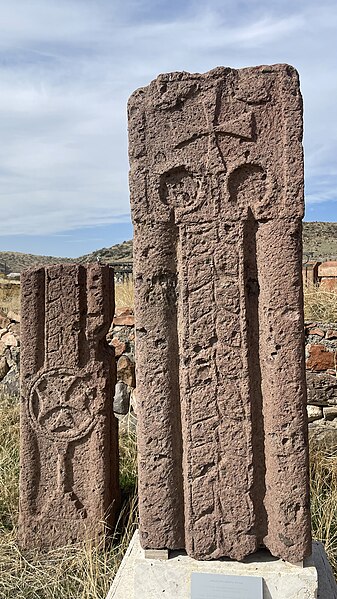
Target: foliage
{"x":9,"y":296}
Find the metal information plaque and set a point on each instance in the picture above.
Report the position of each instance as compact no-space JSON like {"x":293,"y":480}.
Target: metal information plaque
{"x":220,"y":586}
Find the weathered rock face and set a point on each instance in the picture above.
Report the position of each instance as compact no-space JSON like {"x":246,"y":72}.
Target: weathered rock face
{"x":69,"y":452}
{"x":217,"y":201}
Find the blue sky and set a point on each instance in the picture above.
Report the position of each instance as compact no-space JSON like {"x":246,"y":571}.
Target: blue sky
{"x":67,"y":68}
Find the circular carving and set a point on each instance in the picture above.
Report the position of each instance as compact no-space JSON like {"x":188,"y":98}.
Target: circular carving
{"x":247,"y":184}
{"x":61,"y":405}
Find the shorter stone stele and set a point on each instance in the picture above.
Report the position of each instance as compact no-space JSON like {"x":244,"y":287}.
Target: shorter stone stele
{"x":69,"y":487}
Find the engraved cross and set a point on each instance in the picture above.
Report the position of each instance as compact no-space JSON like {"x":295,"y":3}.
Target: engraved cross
{"x":241,"y":127}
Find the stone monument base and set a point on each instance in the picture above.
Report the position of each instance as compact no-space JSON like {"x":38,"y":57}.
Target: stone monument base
{"x":142,"y":578}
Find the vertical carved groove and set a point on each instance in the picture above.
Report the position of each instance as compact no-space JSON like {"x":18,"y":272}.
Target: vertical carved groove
{"x":41,"y":321}
{"x":252,"y":292}
{"x":83,"y":348}
{"x":175,"y":352}
{"x":157,"y":365}
{"x":215,"y":146}
{"x":68,"y":437}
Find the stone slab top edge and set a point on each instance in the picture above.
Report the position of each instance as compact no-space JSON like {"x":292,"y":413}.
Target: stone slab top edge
{"x":219,"y":71}
{"x":55,"y":265}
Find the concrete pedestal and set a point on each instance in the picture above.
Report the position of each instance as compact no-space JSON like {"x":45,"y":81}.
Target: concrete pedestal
{"x":141,"y":578}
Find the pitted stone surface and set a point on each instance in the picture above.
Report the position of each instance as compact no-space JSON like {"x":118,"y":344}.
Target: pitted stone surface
{"x":217,"y":201}
{"x":69,"y":453}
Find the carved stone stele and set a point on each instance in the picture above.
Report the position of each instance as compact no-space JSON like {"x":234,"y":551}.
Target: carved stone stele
{"x":217,"y":201}
{"x":69,"y":436}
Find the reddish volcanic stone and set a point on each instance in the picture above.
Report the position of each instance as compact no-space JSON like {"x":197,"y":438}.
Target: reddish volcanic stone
{"x":124,"y":320}
{"x":69,"y":435}
{"x":328,"y":283}
{"x":328,"y":269}
{"x":124,"y":311}
{"x":216,"y":185}
{"x":331,"y":334}
{"x":126,"y":371}
{"x":317,"y":332}
{"x":119,"y":346}
{"x":320,"y":358}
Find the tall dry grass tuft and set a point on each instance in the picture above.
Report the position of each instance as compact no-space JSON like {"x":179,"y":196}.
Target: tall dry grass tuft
{"x":320,"y":304}
{"x":323,"y":471}
{"x":9,"y":462}
{"x":9,"y":296}
{"x":124,"y":294}
{"x":80,"y":571}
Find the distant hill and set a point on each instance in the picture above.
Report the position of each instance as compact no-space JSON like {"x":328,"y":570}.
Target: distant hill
{"x":121,"y":252}
{"x":16,"y":261}
{"x":319,"y":241}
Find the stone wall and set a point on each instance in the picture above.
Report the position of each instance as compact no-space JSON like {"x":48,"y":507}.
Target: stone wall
{"x":122,"y":337}
{"x":9,"y":352}
{"x":321,"y":356}
{"x":321,"y":360}
{"x":321,"y":370}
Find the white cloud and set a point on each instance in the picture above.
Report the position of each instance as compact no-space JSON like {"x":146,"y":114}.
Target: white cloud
{"x":68,"y":67}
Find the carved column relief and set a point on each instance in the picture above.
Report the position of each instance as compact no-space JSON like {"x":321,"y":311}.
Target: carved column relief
{"x":216,"y":258}
{"x":69,"y":453}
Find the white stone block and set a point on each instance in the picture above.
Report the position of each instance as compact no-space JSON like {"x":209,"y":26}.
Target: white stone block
{"x":141,"y":578}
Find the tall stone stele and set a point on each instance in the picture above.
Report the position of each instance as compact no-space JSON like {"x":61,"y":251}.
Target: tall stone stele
{"x":217,"y":201}
{"x":69,"y":444}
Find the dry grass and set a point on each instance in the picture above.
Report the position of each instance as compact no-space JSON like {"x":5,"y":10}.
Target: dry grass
{"x":9,"y":296}
{"x":323,"y":468}
{"x":124,"y":294}
{"x":81,"y":571}
{"x":86,"y":572}
{"x":320,"y":305}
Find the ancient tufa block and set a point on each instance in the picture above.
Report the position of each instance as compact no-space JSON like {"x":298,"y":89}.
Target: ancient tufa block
{"x":69,"y":445}
{"x":320,"y":358}
{"x":310,"y":273}
{"x":217,"y":201}
{"x":328,"y":269}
